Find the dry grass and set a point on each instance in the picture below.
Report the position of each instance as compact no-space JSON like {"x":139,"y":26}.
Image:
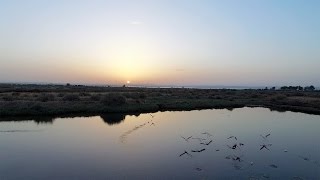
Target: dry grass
{"x":45,"y":100}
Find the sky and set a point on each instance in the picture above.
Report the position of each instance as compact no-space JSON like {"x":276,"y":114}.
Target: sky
{"x":161,"y":42}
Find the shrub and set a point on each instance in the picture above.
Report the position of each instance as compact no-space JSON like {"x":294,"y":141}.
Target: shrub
{"x":95,"y":97}
{"x":135,"y":95}
{"x":295,"y":103}
{"x":7,"y":98}
{"x":113,"y":99}
{"x":218,"y":97}
{"x":298,"y":94}
{"x":254,"y":95}
{"x":131,"y":95}
{"x":230,"y":92}
{"x":71,"y":97}
{"x":189,"y":96}
{"x":278,"y":97}
{"x":36,"y":107}
{"x":45,"y":97}
{"x":143,"y":95}
{"x":84,"y":94}
{"x":15,"y":94}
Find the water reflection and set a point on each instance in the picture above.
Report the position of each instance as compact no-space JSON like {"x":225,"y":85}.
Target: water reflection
{"x":43,"y":120}
{"x":36,"y":119}
{"x":246,"y":143}
{"x":112,"y":119}
{"x":108,"y":118}
{"x":18,"y":130}
{"x":124,"y":136}
{"x":115,"y":118}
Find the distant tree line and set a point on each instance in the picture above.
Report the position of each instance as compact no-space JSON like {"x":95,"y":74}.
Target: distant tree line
{"x":292,"y":88}
{"x":298,"y":88}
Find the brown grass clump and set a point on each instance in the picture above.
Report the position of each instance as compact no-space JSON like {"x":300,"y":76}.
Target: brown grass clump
{"x":71,"y":97}
{"x":113,"y":99}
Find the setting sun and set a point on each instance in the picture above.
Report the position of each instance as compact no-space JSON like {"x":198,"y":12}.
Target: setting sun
{"x":128,"y":82}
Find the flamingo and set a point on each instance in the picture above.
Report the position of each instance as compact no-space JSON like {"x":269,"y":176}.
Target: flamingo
{"x":186,"y":139}
{"x":207,"y":143}
{"x":185,"y":152}
{"x":198,"y":150}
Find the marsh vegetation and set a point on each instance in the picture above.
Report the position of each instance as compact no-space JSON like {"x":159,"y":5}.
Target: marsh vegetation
{"x":21,"y":100}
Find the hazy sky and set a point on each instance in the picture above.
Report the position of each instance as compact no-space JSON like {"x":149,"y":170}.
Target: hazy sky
{"x":182,"y":42}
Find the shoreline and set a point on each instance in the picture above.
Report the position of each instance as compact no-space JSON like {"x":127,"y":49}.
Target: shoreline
{"x":53,"y":100}
{"x":112,"y":118}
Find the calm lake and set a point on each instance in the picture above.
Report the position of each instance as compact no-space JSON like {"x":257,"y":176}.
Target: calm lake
{"x":245,"y":143}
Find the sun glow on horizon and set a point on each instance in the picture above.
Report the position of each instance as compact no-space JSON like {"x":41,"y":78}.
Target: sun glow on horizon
{"x":160,"y":42}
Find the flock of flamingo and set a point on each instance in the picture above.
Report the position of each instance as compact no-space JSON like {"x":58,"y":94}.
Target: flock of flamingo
{"x":236,"y":157}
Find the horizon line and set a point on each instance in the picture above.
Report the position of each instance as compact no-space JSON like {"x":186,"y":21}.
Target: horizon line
{"x":149,"y":85}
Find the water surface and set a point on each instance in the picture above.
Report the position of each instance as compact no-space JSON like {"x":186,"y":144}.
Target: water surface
{"x":148,"y":146}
